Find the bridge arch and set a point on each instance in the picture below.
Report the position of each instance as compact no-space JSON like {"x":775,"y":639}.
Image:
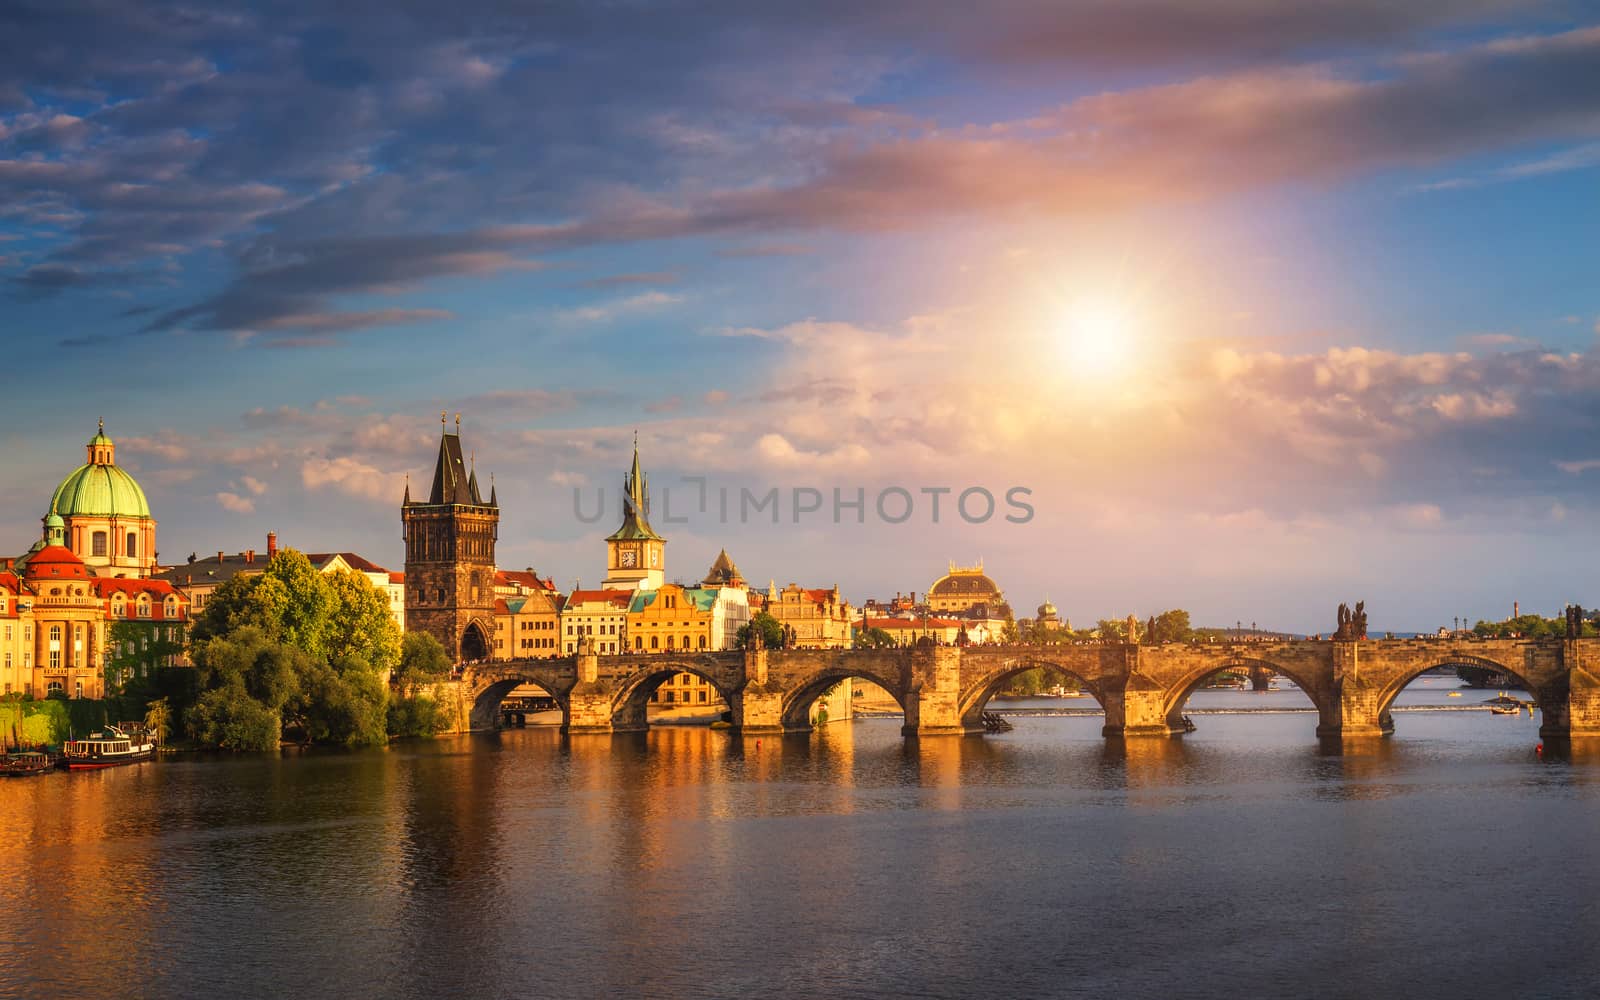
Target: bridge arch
{"x":1179,"y":693}
{"x":797,"y":701}
{"x":630,"y":704}
{"x":1541,"y":694}
{"x":984,"y":688}
{"x":485,"y":711}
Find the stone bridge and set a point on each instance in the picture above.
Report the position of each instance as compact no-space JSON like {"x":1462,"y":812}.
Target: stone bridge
{"x":1142,"y":688}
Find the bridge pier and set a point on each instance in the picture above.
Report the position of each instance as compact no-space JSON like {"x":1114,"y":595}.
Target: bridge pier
{"x":760,"y":708}
{"x":590,"y":704}
{"x":933,"y":707}
{"x":1579,"y":713}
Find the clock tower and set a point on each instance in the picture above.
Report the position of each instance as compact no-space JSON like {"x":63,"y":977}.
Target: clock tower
{"x":635,"y":554}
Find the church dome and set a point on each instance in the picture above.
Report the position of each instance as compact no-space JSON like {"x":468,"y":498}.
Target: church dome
{"x":99,"y":488}
{"x":964,"y":583}
{"x":1047,"y":610}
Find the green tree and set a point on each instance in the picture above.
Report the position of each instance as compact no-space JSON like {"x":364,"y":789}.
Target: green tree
{"x":1108,"y":630}
{"x":1171,"y":626}
{"x":422,"y":661}
{"x":359,"y":623}
{"x":306,"y":650}
{"x":158,"y":718}
{"x":229,"y":718}
{"x":874,"y":638}
{"x":763,"y":624}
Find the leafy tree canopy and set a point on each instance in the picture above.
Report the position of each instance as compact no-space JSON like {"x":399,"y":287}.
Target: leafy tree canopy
{"x":768,"y":627}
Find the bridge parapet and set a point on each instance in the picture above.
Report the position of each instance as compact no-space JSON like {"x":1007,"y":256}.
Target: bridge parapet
{"x":1141,"y":687}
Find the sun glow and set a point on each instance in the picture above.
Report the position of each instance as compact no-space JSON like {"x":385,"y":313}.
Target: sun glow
{"x":1097,"y":337}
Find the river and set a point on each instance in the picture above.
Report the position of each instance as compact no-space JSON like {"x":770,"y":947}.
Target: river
{"x":1244,"y":859}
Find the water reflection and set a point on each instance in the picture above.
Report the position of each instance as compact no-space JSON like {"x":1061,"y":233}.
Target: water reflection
{"x":849,"y":861}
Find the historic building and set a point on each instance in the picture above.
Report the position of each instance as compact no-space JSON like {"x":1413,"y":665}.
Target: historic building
{"x":675,"y":618}
{"x":635,"y":554}
{"x":813,"y":618}
{"x":965,"y":589}
{"x":66,"y":630}
{"x":450,"y":539}
{"x":528,"y":626}
{"x":105,"y":518}
{"x":944,"y":631}
{"x":601,"y":614}
{"x":147,"y":625}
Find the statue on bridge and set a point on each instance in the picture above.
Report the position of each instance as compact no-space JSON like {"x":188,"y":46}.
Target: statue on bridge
{"x":1574,"y":621}
{"x":1352,"y":625}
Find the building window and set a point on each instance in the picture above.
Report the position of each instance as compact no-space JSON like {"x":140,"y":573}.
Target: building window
{"x":702,"y":642}
{"x":654,"y":642}
{"x":78,"y":692}
{"x":133,"y":544}
{"x":97,"y":544}
{"x":53,"y":686}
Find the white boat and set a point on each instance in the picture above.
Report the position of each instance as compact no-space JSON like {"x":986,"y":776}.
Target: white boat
{"x":111,"y":748}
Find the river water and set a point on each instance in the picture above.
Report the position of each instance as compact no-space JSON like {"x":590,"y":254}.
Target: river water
{"x":1242,"y":860}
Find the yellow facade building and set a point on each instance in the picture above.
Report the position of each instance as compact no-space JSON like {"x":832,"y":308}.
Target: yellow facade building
{"x":813,"y":617}
{"x":527,"y":627}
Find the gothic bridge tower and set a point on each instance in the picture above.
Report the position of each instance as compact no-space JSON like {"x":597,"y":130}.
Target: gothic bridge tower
{"x":450,"y":540}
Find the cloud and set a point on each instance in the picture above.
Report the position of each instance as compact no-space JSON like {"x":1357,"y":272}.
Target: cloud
{"x":353,"y":478}
{"x":635,"y":278}
{"x":235,"y":504}
{"x":1579,"y":467}
{"x":609,"y":311}
{"x":254,"y":485}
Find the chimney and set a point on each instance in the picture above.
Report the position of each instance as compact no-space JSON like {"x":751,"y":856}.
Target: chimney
{"x":249,"y":555}
{"x":1516,"y":610}
{"x":272,"y":544}
{"x":219,"y":557}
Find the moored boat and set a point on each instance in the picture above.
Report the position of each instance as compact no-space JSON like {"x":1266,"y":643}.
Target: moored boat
{"x":26,"y":764}
{"x":112,"y":748}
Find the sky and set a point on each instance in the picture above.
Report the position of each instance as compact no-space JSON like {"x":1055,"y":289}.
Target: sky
{"x":1242,"y":307}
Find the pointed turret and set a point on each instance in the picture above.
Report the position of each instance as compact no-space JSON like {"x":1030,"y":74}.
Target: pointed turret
{"x":407,"y":501}
{"x":472,"y":478}
{"x":494,"y":498}
{"x":723,"y":573}
{"x":635,"y":503}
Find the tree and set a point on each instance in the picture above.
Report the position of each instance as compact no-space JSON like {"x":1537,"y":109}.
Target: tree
{"x":763,"y":624}
{"x":158,"y":718}
{"x":1110,"y":631}
{"x":324,"y":615}
{"x":874,"y":638}
{"x":295,"y":648}
{"x":422,"y":661}
{"x":1171,"y":626}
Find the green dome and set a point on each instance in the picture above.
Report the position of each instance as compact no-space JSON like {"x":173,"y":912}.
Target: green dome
{"x":99,"y":491}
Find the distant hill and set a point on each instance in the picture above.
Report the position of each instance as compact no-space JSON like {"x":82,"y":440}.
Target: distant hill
{"x":1260,"y":634}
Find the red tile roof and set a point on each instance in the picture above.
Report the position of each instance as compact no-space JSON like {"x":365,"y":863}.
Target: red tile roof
{"x":616,"y":598}
{"x":56,"y":562}
{"x":522,"y":578}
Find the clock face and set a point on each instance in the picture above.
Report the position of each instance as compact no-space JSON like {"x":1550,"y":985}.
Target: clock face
{"x":629,"y":557}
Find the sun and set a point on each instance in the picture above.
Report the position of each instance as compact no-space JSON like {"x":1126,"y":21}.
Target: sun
{"x":1097,"y":336}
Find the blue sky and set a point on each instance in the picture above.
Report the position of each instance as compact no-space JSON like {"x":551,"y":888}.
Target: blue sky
{"x":1349,"y":250}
